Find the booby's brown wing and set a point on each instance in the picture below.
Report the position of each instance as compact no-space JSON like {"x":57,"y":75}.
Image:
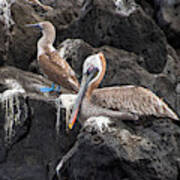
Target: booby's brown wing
{"x":133,"y":99}
{"x":58,"y":70}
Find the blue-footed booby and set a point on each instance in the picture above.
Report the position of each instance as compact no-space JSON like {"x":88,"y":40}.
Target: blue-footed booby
{"x":125,"y":102}
{"x":50,"y":63}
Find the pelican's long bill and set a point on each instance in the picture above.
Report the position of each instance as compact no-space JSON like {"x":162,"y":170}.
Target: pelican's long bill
{"x":87,"y":77}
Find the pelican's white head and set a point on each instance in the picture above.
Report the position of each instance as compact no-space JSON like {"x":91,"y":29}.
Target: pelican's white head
{"x":93,"y":72}
{"x":94,"y":69}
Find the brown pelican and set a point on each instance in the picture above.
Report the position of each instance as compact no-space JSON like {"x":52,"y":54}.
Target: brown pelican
{"x":51,"y":64}
{"x":122,"y":102}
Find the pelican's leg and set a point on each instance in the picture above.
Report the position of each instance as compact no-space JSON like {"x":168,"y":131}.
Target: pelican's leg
{"x":49,"y":89}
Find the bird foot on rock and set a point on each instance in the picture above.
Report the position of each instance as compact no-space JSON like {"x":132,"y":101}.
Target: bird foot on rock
{"x":50,"y":89}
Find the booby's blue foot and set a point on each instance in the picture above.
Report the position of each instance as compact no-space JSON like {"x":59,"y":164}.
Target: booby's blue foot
{"x":46,"y":89}
{"x":49,"y":89}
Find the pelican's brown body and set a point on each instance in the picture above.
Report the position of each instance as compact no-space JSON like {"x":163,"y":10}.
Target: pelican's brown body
{"x":131,"y":99}
{"x":121,"y":102}
{"x":51,"y":64}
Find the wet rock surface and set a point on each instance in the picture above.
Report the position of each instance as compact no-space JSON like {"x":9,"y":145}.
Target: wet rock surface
{"x":139,"y":40}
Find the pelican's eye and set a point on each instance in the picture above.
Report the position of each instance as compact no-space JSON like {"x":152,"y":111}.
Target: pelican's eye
{"x":90,"y":69}
{"x":41,"y":27}
{"x":96,"y":70}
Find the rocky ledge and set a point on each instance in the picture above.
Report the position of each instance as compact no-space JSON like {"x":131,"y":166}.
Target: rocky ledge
{"x":140,"y":40}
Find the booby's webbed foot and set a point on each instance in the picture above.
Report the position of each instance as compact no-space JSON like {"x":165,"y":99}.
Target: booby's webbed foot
{"x":50,"y":89}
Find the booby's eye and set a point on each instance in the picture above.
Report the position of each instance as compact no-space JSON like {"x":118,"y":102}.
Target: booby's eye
{"x":40,"y":27}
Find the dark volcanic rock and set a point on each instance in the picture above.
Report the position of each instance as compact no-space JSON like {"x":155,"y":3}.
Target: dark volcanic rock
{"x":22,"y":46}
{"x":4,"y":46}
{"x":147,"y":6}
{"x":124,"y":151}
{"x":30,"y":144}
{"x":168,"y":18}
{"x":136,"y":33}
{"x":98,"y":24}
{"x":122,"y":66}
{"x":147,"y":149}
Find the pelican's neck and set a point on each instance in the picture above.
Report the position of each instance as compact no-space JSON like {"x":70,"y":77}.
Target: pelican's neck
{"x":46,"y":41}
{"x":97,"y":80}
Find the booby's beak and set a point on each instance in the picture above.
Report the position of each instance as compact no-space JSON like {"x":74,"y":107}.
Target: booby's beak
{"x":87,"y":77}
{"x":34,"y":25}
